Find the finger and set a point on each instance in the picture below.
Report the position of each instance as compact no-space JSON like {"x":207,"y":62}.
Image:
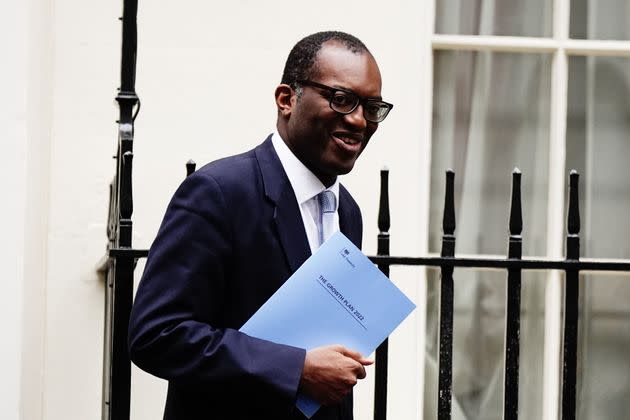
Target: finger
{"x":361,"y":374}
{"x":366,"y":362}
{"x":358,"y":370}
{"x":351,"y":354}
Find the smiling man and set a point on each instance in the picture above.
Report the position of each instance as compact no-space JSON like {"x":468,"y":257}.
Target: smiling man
{"x":328,"y":111}
{"x":237,"y":228}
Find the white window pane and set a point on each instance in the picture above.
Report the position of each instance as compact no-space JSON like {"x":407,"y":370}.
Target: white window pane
{"x":490,"y":115}
{"x":494,"y":17}
{"x":598,"y":146}
{"x":604,"y":345}
{"x":600,"y":19}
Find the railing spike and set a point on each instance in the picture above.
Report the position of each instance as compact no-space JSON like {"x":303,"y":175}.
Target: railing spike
{"x":571,"y":304}
{"x":445,"y":356}
{"x":448,"y":219}
{"x":126,"y":198}
{"x":513,"y":304}
{"x":384,"y":221}
{"x":190,"y":167}
{"x":382,"y":351}
{"x":516,"y":210}
{"x":573,"y":222}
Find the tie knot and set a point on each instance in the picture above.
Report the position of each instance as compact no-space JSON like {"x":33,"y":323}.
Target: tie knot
{"x":327,"y":201}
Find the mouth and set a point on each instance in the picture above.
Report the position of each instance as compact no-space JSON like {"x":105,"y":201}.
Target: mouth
{"x":348,"y":141}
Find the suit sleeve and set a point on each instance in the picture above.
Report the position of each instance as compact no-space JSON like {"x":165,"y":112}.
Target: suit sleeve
{"x":179,"y":299}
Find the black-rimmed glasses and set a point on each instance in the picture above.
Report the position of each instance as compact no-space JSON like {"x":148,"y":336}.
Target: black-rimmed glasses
{"x":345,"y":102}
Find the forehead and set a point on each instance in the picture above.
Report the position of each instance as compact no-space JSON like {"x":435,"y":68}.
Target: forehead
{"x":337,"y":66}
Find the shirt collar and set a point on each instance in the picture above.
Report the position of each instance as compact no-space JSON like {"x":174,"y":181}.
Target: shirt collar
{"x":305,"y":184}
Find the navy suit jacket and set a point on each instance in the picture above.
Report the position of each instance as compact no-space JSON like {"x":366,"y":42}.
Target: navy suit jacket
{"x":231,"y":236}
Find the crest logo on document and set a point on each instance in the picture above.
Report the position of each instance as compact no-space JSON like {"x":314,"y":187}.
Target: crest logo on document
{"x":345,"y":254}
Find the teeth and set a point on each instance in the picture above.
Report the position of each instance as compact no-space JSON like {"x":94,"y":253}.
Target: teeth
{"x":347,"y":140}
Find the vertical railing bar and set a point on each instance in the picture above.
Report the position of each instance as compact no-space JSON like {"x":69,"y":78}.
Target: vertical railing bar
{"x":572,"y":293}
{"x":112,"y":229}
{"x":120,"y":397}
{"x":119,"y":288}
{"x":380,"y":377}
{"x":120,"y":382}
{"x":445,"y":358}
{"x":513,"y":304}
{"x":190,"y":167}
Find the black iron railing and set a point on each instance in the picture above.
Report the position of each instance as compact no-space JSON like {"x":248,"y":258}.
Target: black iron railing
{"x":120,"y":260}
{"x":514,"y":264}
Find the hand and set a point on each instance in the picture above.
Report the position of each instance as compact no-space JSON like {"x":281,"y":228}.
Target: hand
{"x":330,"y":372}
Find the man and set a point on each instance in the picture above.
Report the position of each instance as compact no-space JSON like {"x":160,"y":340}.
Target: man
{"x":237,"y":228}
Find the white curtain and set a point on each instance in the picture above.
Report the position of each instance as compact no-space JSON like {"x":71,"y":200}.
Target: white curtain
{"x":491,"y":114}
{"x":598,"y":146}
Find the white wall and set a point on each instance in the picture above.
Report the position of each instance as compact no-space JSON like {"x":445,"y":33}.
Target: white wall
{"x":13,"y":137}
{"x":24,"y":135}
{"x":39,"y":120}
{"x":206,"y":76}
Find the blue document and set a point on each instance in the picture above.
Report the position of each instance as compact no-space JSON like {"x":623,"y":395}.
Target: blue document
{"x":338,"y":296}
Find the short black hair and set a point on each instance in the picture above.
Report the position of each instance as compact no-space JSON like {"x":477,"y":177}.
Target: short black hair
{"x":301,"y":60}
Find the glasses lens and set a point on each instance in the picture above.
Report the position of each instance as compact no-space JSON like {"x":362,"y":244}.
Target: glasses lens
{"x":343,"y":102}
{"x":375,"y":111}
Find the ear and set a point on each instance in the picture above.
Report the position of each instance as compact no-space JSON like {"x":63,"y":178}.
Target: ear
{"x":285,"y":99}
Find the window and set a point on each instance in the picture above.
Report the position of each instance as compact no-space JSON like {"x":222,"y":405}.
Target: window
{"x":542,"y":86}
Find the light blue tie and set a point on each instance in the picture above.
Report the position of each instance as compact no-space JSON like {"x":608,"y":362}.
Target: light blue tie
{"x":327,"y":204}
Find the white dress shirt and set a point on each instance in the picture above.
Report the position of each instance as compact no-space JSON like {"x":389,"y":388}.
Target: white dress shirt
{"x":306,"y":186}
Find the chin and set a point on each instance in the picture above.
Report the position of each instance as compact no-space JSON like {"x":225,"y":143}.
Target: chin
{"x":343,"y":170}
{"x":337,"y":168}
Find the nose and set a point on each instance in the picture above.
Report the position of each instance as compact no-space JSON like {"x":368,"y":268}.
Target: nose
{"x":356,"y":118}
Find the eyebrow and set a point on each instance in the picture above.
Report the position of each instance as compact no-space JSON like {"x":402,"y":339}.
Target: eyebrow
{"x":344,"y":89}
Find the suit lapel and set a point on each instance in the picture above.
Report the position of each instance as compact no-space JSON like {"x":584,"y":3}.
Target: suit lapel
{"x":287,"y":216}
{"x":349,"y":221}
